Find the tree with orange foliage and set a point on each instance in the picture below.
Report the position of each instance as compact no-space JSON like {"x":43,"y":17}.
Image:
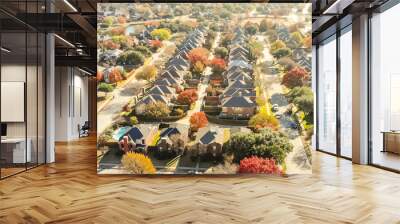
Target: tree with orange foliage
{"x":109,"y":44}
{"x":115,"y":75}
{"x":99,"y":76}
{"x":187,"y":97}
{"x":218,"y":65}
{"x":198,"y":120}
{"x":198,"y":55}
{"x":307,"y":41}
{"x":117,"y":31}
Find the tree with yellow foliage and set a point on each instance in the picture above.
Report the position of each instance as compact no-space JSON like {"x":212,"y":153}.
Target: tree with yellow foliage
{"x":278,"y":44}
{"x":264,"y":120}
{"x":161,"y":34}
{"x":297,"y":37}
{"x":137,"y":163}
{"x":147,"y":73}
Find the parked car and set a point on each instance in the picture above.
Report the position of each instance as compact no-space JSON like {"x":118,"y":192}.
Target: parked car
{"x":293,"y":125}
{"x":275,"y":107}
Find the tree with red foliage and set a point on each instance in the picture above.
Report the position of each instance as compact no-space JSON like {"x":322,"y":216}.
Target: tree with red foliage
{"x":198,"y":55}
{"x":295,"y":77}
{"x":256,"y":164}
{"x":187,"y":97}
{"x":198,"y":120}
{"x":155,"y":44}
{"x":218,"y":65}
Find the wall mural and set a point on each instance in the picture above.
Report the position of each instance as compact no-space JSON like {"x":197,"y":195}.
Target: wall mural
{"x":204,"y":88}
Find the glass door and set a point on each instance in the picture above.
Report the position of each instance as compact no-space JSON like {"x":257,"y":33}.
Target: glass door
{"x":346,"y":92}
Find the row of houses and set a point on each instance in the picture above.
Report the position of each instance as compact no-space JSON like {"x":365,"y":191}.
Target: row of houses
{"x":140,"y":137}
{"x":299,"y":54}
{"x":165,"y":88}
{"x":175,"y":137}
{"x":237,"y":100}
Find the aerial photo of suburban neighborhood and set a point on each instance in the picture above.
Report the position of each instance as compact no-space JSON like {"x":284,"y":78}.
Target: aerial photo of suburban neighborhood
{"x":204,"y":88}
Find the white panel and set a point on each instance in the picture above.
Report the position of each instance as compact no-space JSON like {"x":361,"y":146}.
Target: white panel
{"x":12,"y":101}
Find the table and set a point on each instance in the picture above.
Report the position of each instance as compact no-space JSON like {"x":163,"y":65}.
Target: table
{"x":13,"y":150}
{"x":391,"y":141}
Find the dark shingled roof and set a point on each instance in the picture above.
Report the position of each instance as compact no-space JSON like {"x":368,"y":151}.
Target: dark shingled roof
{"x":238,"y":101}
{"x":208,"y":137}
{"x":152,"y":98}
{"x":134,"y":134}
{"x":162,"y":82}
{"x":168,"y":132}
{"x":240,"y":84}
{"x":160,"y":90}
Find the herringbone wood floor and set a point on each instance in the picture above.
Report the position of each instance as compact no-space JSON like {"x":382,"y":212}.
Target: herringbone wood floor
{"x":69,"y":191}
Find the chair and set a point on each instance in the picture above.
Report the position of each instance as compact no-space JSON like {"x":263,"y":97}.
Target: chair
{"x":84,"y":130}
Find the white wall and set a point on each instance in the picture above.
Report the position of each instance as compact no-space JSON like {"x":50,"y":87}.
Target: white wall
{"x":71,"y":102}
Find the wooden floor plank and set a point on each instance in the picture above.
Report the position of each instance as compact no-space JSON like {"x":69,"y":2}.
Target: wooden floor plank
{"x":70,"y":191}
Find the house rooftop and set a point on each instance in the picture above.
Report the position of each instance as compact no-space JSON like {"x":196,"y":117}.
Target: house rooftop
{"x":152,"y":98}
{"x":209,"y":135}
{"x":134,"y":134}
{"x":160,"y":90}
{"x":240,"y":84}
{"x":238,"y":101}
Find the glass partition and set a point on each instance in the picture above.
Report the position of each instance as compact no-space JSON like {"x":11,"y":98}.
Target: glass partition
{"x":13,"y":87}
{"x":22,"y":90}
{"x":327,"y":96}
{"x":385,"y":89}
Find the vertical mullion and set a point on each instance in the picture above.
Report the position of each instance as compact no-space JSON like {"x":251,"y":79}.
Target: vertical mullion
{"x":46,"y":4}
{"x":369,"y":89}
{"x":26,"y":86}
{"x":37,"y":90}
{"x":317,"y":97}
{"x":338,"y":98}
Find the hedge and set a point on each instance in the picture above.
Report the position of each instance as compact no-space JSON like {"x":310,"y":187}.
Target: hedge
{"x":217,"y":120}
{"x":142,"y":118}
